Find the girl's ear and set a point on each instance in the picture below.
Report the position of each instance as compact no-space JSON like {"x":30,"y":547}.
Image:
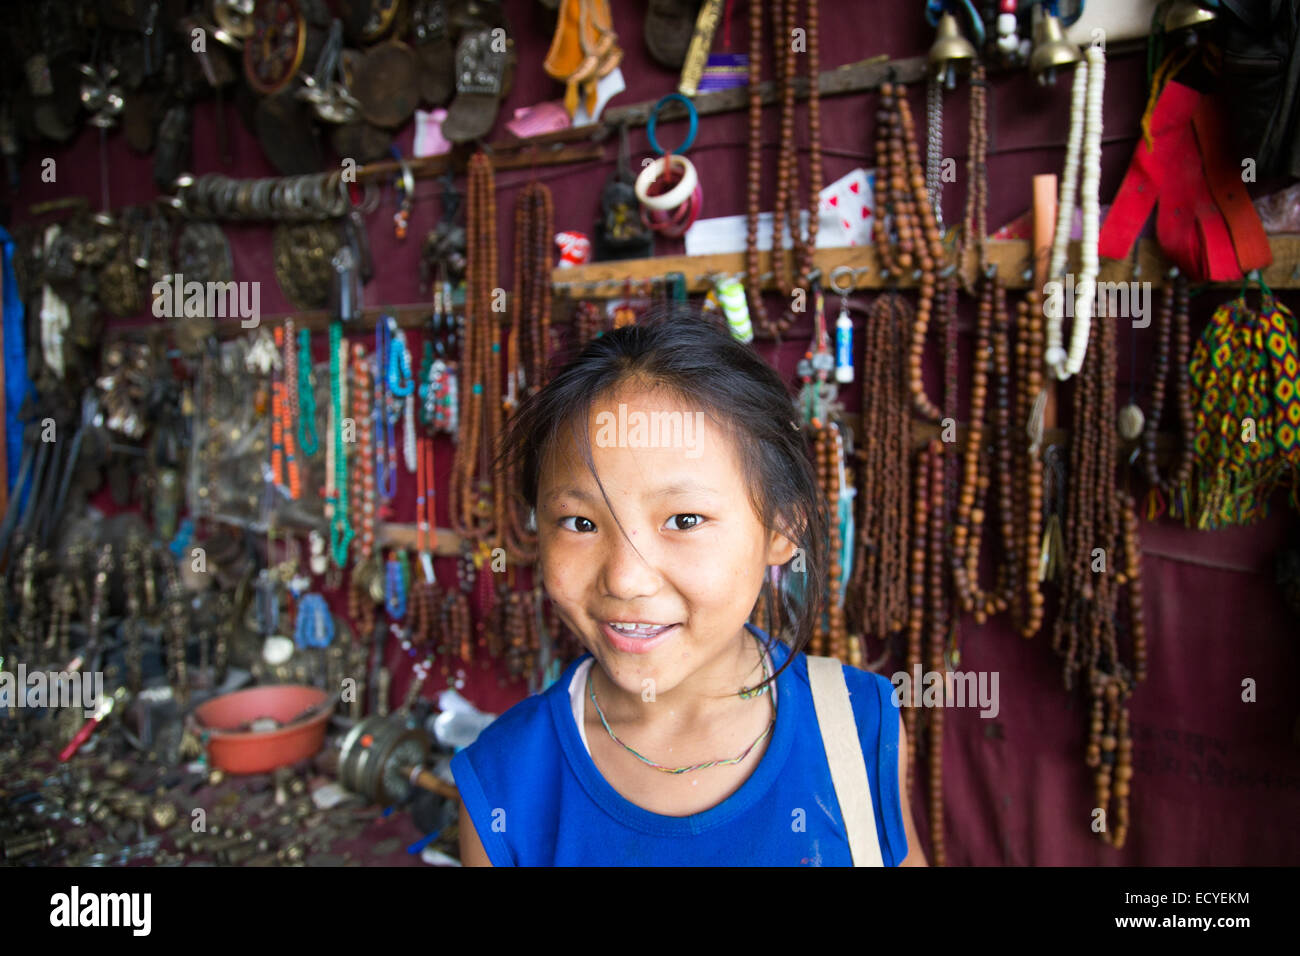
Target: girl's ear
{"x":780,"y":549}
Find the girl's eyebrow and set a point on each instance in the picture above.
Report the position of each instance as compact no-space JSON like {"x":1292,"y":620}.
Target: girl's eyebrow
{"x":673,"y":488}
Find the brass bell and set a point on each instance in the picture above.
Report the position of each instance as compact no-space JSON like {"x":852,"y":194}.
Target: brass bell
{"x":950,"y":49}
{"x":1051,"y":50}
{"x":1187,"y":13}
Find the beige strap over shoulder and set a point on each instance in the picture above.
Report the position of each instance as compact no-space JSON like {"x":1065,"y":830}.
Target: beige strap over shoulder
{"x":839,"y":732}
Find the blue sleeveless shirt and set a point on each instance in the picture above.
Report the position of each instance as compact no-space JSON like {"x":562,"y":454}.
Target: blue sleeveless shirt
{"x":537,"y":799}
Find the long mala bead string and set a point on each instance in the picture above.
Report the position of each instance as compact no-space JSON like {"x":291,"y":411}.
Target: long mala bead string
{"x":1173,"y":334}
{"x":471,"y":510}
{"x":289,"y":405}
{"x":308,"y":440}
{"x":787,"y":201}
{"x":938,"y":639}
{"x":916,"y":599}
{"x":340,"y":523}
{"x":1030,"y":342}
{"x":906,"y":203}
{"x":363,"y":476}
{"x":975,"y":224}
{"x":991,"y":361}
{"x":880,"y":576}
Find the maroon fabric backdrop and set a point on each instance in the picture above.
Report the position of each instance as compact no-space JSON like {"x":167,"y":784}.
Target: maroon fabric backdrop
{"x":1216,"y":779}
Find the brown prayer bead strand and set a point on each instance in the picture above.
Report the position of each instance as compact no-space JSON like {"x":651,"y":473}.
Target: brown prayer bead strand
{"x":809,"y":244}
{"x":753,"y":280}
{"x":1007,"y":571}
{"x":871,"y":454}
{"x":1182,"y":470}
{"x":1137,"y":620}
{"x":938,"y":640}
{"x":970,"y":517}
{"x":879,"y":232}
{"x":1123,"y":778}
{"x":1160,"y":370}
{"x":1032,"y":466}
{"x":916,"y":596}
{"x":899,"y":485}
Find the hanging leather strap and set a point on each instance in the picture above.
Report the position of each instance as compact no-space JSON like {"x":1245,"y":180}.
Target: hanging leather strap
{"x":839,"y":732}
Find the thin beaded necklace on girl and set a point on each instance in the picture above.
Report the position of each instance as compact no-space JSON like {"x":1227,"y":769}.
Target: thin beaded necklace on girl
{"x":746,"y":695}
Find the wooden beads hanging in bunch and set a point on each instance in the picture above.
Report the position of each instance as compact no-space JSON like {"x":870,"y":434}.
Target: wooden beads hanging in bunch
{"x":521,"y":633}
{"x":1104,"y":556}
{"x":785,"y":20}
{"x":916,"y":596}
{"x":879,"y":589}
{"x":1173,"y":335}
{"x":905,"y":200}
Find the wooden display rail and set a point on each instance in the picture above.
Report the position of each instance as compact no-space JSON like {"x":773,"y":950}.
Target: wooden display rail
{"x":1011,"y":257}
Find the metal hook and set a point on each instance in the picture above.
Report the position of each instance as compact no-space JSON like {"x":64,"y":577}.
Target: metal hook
{"x":834,"y":281}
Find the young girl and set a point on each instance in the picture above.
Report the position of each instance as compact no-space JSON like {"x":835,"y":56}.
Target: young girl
{"x":668,"y":477}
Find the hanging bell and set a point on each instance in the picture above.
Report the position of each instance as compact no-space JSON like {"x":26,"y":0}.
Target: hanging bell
{"x":1051,"y":50}
{"x":949,"y":50}
{"x":1186,"y":14}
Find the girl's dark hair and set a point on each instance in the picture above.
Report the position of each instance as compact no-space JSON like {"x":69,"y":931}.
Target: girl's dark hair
{"x":693,"y":357}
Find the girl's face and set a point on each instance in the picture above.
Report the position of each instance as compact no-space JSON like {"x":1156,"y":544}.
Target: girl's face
{"x":684,"y":504}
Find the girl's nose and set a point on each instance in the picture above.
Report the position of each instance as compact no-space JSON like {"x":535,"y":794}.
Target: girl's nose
{"x":625,"y":574}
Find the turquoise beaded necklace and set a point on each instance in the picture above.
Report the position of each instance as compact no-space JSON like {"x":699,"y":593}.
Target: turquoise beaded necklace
{"x":340,"y":528}
{"x":744,"y":695}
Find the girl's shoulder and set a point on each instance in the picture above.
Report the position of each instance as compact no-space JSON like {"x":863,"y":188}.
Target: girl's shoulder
{"x":526,"y":727}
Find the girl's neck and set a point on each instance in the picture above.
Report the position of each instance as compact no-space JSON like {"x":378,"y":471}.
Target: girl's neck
{"x":708,"y":693}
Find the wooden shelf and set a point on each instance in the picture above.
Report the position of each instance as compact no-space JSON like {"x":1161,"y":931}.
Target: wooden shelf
{"x":1011,"y":257}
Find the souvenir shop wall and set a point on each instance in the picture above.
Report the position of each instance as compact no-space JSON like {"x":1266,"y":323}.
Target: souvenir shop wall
{"x":159,"y":526}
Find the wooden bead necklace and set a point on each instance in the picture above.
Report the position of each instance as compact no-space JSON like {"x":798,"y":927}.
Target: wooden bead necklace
{"x":991,"y":356}
{"x":1172,"y":333}
{"x":1027,"y":610}
{"x":975,"y":225}
{"x":938,"y":641}
{"x":905,"y":202}
{"x":475,"y":508}
{"x":534,"y":232}
{"x":589,"y":321}
{"x":916,"y":598}
{"x":785,"y":20}
{"x":832,"y":638}
{"x":880,"y":572}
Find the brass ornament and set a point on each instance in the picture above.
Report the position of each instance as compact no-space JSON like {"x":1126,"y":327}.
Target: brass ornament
{"x":302,"y":253}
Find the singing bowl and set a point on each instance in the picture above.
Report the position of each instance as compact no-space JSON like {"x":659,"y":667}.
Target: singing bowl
{"x":260,"y":751}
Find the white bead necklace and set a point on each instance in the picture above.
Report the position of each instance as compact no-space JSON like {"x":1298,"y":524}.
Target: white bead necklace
{"x":1085,"y":128}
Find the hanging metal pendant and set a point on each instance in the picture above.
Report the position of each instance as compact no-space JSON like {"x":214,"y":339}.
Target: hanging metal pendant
{"x":202,"y":253}
{"x":303,"y":254}
{"x":1131,"y":421}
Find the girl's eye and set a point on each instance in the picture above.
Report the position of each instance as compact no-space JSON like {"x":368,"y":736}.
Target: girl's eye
{"x":584,"y":525}
{"x":691,"y":521}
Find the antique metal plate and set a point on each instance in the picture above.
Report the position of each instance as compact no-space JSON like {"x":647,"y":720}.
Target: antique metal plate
{"x":302,"y":253}
{"x":387,"y":84}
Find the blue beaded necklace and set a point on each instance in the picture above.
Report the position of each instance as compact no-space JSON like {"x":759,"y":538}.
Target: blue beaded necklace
{"x":396,"y":585}
{"x":315,"y":624}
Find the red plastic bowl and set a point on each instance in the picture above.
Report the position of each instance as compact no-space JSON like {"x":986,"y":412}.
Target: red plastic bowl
{"x":261,"y":751}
